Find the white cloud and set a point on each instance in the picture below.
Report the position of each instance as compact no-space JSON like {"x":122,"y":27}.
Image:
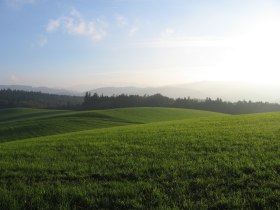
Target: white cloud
{"x":167,"y":33}
{"x":133,"y":30}
{"x":123,"y":23}
{"x":14,"y":78}
{"x":43,"y":42}
{"x":169,"y":39}
{"x":121,"y":20}
{"x":19,"y":3}
{"x":75,"y":24}
{"x":184,"y":42}
{"x":53,"y":25}
{"x":75,"y":13}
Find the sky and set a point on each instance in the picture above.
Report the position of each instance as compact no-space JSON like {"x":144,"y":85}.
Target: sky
{"x":95,"y":43}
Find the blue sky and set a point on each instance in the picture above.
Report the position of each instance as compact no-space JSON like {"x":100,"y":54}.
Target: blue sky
{"x":91,"y":43}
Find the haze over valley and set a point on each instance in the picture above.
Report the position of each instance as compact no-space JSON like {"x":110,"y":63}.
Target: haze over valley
{"x":229,"y":91}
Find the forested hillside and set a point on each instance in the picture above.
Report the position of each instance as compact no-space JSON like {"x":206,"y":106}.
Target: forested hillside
{"x":19,"y":98}
{"x":96,"y":101}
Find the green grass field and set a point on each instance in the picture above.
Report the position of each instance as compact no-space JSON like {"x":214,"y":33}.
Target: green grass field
{"x":16,"y":124}
{"x":142,"y":158}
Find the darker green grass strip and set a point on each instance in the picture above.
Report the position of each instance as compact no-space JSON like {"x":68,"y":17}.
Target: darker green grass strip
{"x":18,"y":124}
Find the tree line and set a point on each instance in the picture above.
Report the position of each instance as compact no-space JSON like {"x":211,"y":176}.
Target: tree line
{"x":95,"y":101}
{"x":19,"y":98}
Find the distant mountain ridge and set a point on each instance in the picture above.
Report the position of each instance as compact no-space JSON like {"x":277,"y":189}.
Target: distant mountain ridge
{"x":169,"y":91}
{"x":228,"y":91}
{"x":235,"y":91}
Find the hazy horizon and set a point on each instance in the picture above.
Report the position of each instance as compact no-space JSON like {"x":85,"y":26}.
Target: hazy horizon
{"x":88,"y":87}
{"x":67,"y":44}
{"x":228,"y":91}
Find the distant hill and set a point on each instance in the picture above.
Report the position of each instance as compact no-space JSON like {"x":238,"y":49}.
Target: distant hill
{"x":229,"y":91}
{"x":234,"y":91}
{"x":169,"y":91}
{"x":42,"y":89}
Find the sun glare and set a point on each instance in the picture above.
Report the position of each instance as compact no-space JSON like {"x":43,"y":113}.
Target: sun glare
{"x":253,"y":55}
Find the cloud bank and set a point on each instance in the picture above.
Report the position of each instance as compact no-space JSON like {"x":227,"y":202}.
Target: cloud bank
{"x":75,"y":24}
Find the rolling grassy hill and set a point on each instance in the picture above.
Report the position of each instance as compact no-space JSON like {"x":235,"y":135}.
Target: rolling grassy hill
{"x":15,"y":114}
{"x":200,"y":162}
{"x":224,"y":162}
{"x":20,"y":123}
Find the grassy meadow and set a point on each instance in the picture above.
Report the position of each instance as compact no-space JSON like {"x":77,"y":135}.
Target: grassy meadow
{"x":22,"y":123}
{"x":138,"y":158}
